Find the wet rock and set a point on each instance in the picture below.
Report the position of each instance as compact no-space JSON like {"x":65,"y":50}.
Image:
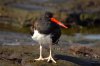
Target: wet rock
{"x":5,"y":53}
{"x":15,"y":57}
{"x":83,"y":51}
{"x":27,"y":61}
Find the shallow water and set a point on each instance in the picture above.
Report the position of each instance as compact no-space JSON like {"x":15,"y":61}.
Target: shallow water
{"x":30,"y":7}
{"x":14,"y":38}
{"x":93,"y":36}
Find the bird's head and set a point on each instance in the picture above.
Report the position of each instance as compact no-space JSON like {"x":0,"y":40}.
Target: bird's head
{"x":49,"y":16}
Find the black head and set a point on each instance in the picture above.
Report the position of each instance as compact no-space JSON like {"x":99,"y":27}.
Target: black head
{"x":48,"y":14}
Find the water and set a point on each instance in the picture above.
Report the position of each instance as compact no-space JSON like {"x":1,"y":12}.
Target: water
{"x":88,"y":36}
{"x":38,"y":1}
{"x":92,"y":37}
{"x":14,"y":38}
{"x":30,"y":7}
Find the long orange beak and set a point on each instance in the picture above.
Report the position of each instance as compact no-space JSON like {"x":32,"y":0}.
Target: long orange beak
{"x":58,"y":22}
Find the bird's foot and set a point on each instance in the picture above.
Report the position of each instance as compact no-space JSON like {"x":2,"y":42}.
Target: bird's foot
{"x":40,"y":58}
{"x":50,"y":58}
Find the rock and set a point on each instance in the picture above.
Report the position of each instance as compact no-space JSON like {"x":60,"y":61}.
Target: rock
{"x":83,"y":51}
{"x":27,"y":61}
{"x":15,"y":57}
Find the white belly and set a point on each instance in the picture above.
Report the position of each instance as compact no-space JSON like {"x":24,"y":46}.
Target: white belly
{"x":41,"y":38}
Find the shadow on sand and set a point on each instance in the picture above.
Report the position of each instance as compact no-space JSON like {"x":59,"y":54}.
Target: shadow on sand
{"x":79,"y":61}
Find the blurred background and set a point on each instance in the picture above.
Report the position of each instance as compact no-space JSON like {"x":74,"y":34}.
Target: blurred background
{"x":81,"y":16}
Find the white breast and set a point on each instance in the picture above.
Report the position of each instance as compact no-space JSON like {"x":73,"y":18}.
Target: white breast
{"x":41,"y":38}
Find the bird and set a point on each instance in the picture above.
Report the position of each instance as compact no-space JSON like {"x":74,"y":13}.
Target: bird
{"x":46,"y":31}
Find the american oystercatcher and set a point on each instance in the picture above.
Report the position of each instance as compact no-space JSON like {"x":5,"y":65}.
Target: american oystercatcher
{"x":46,"y":31}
